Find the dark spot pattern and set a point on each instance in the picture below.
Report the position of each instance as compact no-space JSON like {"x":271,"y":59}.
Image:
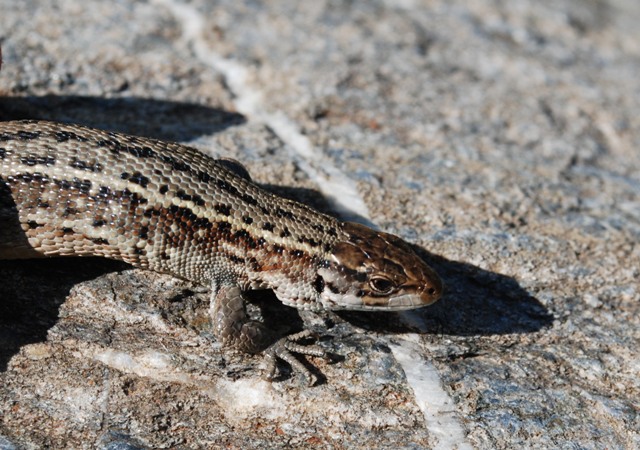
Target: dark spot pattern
{"x":32,"y":160}
{"x":83,"y":186}
{"x":180,"y":166}
{"x":242,"y":234}
{"x":255,"y":265}
{"x":236,"y":259}
{"x":222,"y":209}
{"x":24,"y":135}
{"x":223,"y":226}
{"x":105,"y":192}
{"x":204,"y":177}
{"x":64,"y":185}
{"x":141,"y":152}
{"x":111,"y":145}
{"x":152,"y":212}
{"x":35,"y":177}
{"x":195,"y":198}
{"x":69,"y":212}
{"x":311,"y":242}
{"x":284,"y":214}
{"x":227,"y":187}
{"x":361,"y":277}
{"x":64,"y":136}
{"x":139,"y":179}
{"x":95,"y":167}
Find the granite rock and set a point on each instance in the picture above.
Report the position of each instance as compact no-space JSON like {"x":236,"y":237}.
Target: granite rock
{"x":500,"y":138}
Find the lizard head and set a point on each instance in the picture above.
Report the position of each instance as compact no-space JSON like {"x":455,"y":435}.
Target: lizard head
{"x":370,"y":270}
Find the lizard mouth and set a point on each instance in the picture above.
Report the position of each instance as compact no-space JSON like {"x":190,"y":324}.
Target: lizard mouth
{"x":398,"y":303}
{"x":409,"y":301}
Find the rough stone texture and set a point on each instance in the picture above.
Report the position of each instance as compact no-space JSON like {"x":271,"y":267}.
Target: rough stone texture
{"x":500,"y":136}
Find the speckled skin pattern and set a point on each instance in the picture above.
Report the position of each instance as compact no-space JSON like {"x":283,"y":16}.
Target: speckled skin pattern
{"x":67,"y":190}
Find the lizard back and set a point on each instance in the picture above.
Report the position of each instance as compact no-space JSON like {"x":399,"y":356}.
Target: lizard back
{"x":72,"y":190}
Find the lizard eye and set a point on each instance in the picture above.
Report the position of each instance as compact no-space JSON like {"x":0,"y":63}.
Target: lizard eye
{"x":381,"y":285}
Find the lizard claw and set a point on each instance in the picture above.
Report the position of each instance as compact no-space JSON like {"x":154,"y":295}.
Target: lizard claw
{"x":284,"y":348}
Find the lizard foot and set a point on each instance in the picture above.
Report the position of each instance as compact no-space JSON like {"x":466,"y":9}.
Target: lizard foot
{"x":284,"y":348}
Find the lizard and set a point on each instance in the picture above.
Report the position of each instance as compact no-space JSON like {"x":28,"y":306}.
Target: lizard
{"x":70,"y":190}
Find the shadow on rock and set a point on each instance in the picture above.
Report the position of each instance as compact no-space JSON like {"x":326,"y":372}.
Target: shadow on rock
{"x":475,"y":302}
{"x":31,"y":293}
{"x":157,"y":119}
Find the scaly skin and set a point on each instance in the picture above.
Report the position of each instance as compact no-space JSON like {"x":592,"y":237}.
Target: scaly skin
{"x":67,"y":190}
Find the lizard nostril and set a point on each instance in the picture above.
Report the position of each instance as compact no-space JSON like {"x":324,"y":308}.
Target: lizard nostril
{"x":431,"y":291}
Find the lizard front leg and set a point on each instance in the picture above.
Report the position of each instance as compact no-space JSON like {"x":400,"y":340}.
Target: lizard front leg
{"x":233,"y":327}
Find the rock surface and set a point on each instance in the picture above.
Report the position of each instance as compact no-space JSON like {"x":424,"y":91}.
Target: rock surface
{"x":499,"y":137}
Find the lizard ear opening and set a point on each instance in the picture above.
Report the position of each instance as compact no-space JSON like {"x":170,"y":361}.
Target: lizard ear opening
{"x":318,"y":284}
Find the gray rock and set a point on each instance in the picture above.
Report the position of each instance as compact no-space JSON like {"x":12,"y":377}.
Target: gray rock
{"x":500,"y":138}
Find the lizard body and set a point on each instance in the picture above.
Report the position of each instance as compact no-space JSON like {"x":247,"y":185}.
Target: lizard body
{"x":68,"y":190}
